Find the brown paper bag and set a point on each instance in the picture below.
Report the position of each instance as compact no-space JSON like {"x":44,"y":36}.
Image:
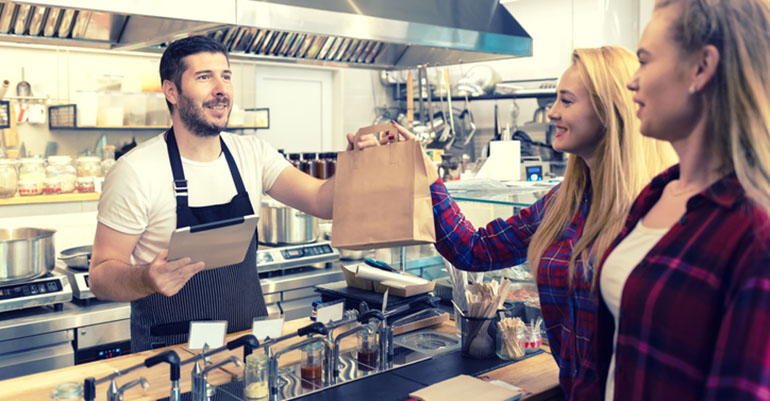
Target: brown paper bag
{"x":382,"y":195}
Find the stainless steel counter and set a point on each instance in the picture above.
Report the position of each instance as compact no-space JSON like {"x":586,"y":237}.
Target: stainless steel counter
{"x":43,"y":320}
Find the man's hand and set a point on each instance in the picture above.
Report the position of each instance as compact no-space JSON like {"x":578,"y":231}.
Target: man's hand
{"x":168,"y":278}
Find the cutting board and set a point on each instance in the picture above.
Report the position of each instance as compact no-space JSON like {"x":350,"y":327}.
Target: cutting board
{"x":463,"y":388}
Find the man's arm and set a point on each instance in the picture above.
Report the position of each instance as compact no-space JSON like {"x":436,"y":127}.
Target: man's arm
{"x":112,"y":277}
{"x":301,"y":191}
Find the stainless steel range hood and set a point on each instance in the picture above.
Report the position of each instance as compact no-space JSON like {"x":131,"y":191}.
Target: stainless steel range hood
{"x":380,"y":34}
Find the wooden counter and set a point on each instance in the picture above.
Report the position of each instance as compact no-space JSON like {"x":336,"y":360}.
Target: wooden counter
{"x":538,"y":375}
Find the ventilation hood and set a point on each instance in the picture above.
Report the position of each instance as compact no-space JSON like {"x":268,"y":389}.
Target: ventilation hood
{"x":377,"y":34}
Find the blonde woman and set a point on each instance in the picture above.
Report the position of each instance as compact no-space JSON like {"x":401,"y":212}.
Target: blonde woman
{"x":562,"y":233}
{"x":685,"y":288}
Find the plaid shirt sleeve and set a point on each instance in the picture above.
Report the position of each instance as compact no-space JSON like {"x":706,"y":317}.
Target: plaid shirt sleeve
{"x":740,"y":368}
{"x":501,"y":244}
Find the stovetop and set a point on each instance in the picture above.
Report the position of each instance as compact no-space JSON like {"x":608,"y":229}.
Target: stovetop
{"x":51,"y":289}
{"x":78,"y":279}
{"x":271,"y":258}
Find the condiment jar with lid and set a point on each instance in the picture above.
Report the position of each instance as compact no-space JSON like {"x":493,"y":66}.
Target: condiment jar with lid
{"x":255,"y":377}
{"x":294,"y":159}
{"x":108,"y":159}
{"x":71,"y":391}
{"x":309,"y":167}
{"x":31,"y":176}
{"x":331,"y":164}
{"x":320,"y":166}
{"x":60,"y":175}
{"x":89,"y":166}
{"x":8,"y":178}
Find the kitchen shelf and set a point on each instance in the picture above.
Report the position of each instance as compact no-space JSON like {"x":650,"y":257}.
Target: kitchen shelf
{"x":64,"y":117}
{"x":546,"y":92}
{"x":59,"y":198}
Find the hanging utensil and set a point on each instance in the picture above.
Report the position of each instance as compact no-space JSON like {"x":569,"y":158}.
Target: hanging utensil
{"x":420,"y":88}
{"x":23,"y":88}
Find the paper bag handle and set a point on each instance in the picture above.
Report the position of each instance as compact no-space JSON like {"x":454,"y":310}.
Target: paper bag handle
{"x":377,"y":129}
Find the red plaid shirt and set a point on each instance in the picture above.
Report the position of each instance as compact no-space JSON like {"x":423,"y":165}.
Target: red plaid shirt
{"x":569,"y":316}
{"x":695,"y":313}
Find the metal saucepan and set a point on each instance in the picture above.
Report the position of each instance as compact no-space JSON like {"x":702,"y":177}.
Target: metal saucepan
{"x":281,"y":224}
{"x":78,"y":257}
{"x":25,"y":253}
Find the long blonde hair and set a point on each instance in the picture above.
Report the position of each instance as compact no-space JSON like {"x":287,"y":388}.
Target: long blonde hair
{"x":625,"y":162}
{"x":737,"y":99}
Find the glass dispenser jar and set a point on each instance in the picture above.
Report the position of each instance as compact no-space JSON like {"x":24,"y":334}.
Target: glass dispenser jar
{"x":8,"y":178}
{"x":31,"y":176}
{"x":311,"y":366}
{"x":109,"y":158}
{"x":89,"y":166}
{"x":255,"y":377}
{"x":67,"y":392}
{"x":60,"y":175}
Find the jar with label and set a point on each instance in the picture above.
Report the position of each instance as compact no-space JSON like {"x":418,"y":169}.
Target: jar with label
{"x":255,"y":375}
{"x":108,"y":159}
{"x":89,"y":166}
{"x":71,"y":391}
{"x":85,"y":184}
{"x":8,"y":178}
{"x":31,"y":176}
{"x":60,"y":175}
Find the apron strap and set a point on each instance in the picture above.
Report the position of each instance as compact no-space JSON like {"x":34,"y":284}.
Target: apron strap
{"x":180,"y":183}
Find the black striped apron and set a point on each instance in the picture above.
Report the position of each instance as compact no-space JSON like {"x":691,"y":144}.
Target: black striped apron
{"x":231,"y":293}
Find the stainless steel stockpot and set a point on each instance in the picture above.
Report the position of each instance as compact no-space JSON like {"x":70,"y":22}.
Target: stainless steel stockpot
{"x":25,"y":253}
{"x":281,"y":224}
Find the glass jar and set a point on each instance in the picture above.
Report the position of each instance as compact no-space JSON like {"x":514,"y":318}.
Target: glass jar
{"x":308,"y":164}
{"x":511,"y":339}
{"x":109,"y":158}
{"x":72,"y":391}
{"x":294,"y":159}
{"x":311,"y":366}
{"x":31,"y":176}
{"x":8,"y":178}
{"x":89,"y":166}
{"x":85,"y":184}
{"x":331,"y":165}
{"x":60,"y":175}
{"x":366,"y":350}
{"x":255,"y":383}
{"x":320,"y":166}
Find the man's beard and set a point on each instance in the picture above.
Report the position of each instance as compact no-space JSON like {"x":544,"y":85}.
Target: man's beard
{"x":193,"y":118}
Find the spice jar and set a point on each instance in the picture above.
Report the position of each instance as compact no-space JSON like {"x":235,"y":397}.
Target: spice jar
{"x":255,"y":377}
{"x":60,"y":175}
{"x":89,"y":166}
{"x":71,"y":391}
{"x":8,"y":178}
{"x":331,"y":165}
{"x":308,"y":167}
{"x":85,"y":184}
{"x":31,"y":176}
{"x":108,"y":159}
{"x":320,"y":166}
{"x":294,"y":159}
{"x":311,"y":366}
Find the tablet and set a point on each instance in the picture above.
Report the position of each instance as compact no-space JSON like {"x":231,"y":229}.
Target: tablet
{"x":217,"y":244}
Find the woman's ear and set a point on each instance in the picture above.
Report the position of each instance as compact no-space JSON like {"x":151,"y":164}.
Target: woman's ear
{"x":707,"y":61}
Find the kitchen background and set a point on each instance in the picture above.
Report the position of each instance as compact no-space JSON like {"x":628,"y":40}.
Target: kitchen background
{"x":311,"y":108}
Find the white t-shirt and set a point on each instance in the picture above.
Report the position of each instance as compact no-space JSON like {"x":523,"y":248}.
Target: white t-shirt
{"x":138,"y":192}
{"x":618,"y":266}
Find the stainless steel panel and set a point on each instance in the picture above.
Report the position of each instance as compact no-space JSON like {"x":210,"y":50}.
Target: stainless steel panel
{"x":298,"y":309}
{"x":272,"y":298}
{"x":43,"y":320}
{"x":23,"y":12}
{"x":52,"y":22}
{"x":36,"y":341}
{"x":6,"y":16}
{"x":36,"y":361}
{"x":291,"y":295}
{"x":295,"y":281}
{"x":104,"y":333}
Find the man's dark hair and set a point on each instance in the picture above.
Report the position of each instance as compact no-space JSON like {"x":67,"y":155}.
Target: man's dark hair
{"x":172,"y":64}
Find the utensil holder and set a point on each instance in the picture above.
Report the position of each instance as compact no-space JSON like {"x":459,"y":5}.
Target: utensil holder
{"x":478,"y":337}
